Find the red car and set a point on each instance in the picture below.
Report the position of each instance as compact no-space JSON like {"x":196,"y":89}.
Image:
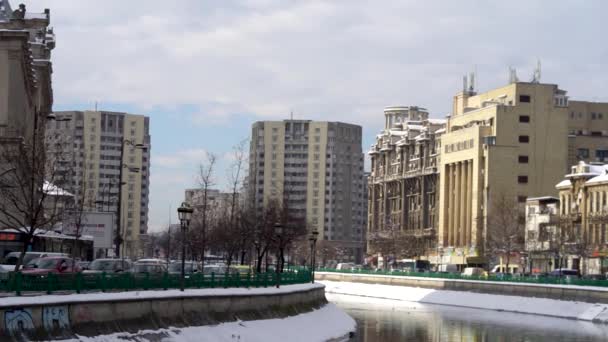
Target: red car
{"x":56,"y":265}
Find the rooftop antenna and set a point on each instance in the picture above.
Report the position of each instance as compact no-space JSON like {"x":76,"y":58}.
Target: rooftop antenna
{"x":513,"y":75}
{"x":291,"y":115}
{"x":536,"y":75}
{"x":464,"y":84}
{"x":472,"y":82}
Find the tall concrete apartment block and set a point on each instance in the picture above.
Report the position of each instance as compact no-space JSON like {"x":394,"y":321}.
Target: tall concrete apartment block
{"x":317,"y":167}
{"x":516,"y":141}
{"x":97,"y":138}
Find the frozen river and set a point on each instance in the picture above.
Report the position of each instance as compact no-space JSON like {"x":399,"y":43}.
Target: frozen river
{"x":381,"y":320}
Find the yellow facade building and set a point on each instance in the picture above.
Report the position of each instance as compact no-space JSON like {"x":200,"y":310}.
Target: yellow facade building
{"x":515,"y":142}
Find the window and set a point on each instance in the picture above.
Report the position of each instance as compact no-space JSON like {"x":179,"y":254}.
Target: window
{"x":524,"y":118}
{"x":582,"y":153}
{"x":524,"y":139}
{"x":601,"y":155}
{"x":593,"y":117}
{"x":522,"y":179}
{"x":523,"y":159}
{"x":524,"y":98}
{"x":521,"y":199}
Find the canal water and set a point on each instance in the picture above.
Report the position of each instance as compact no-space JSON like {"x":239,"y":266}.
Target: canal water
{"x":380,"y":320}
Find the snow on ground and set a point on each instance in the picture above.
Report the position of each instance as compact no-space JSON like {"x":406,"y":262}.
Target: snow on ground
{"x":326,"y":323}
{"x":527,"y":305}
{"x":118,"y":296}
{"x":560,"y":286}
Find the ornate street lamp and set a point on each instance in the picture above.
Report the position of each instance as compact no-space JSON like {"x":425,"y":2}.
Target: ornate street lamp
{"x":185,"y":214}
{"x":313,"y":244}
{"x":278,"y":230}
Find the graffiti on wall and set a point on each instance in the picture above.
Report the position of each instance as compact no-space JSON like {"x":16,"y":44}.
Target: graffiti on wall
{"x":18,"y":321}
{"x":55,"y":318}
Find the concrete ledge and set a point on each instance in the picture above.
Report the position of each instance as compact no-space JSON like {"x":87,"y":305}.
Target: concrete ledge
{"x":560,"y":292}
{"x":51,"y":317}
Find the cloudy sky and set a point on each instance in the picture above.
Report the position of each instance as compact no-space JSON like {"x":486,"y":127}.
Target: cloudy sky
{"x":205,"y":70}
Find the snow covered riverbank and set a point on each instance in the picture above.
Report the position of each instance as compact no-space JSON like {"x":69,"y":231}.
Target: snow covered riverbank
{"x":324,"y":324}
{"x":527,"y":305}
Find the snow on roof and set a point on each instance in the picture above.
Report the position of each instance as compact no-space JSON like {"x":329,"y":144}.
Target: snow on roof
{"x":566,"y":183}
{"x":53,"y":190}
{"x":437,"y":121}
{"x":441,"y":130}
{"x":543,"y":198}
{"x":598,"y":179}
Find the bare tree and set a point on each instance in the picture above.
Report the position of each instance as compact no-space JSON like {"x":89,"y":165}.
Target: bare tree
{"x":505,"y":231}
{"x":206,"y":182}
{"x":30,"y":193}
{"x":236,"y":171}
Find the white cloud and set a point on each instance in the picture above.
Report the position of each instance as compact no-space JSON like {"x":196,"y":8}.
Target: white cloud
{"x":179,"y":159}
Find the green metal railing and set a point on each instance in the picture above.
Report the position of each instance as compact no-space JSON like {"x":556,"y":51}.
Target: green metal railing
{"x":19,"y":283}
{"x":548,"y":280}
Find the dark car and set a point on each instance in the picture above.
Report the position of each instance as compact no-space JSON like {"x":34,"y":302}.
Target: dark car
{"x":189,"y":267}
{"x":56,"y":265}
{"x":109,"y":266}
{"x":141,"y":268}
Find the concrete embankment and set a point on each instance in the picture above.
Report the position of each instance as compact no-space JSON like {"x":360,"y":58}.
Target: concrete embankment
{"x":68,"y":316}
{"x":526,"y":305}
{"x":588,"y":294}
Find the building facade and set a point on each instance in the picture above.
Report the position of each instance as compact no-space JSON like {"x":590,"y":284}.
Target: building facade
{"x":316,"y":169}
{"x":403,"y":184}
{"x":512,"y":142}
{"x":542,"y":229}
{"x":583,"y":218}
{"x":95,"y":141}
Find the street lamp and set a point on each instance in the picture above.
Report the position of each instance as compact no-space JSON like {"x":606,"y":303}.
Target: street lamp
{"x":184,"y":213}
{"x":313,"y":244}
{"x":123,"y":142}
{"x":278,"y":230}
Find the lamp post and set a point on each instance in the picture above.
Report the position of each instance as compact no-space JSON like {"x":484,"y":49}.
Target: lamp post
{"x":278,"y":230}
{"x":313,"y":244}
{"x":184,"y":212}
{"x":123,"y":142}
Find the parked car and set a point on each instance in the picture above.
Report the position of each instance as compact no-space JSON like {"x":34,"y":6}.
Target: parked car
{"x":594,"y":277}
{"x":56,"y":265}
{"x":474,"y":272}
{"x":12,"y":257}
{"x":151,"y":268}
{"x":190,"y":267}
{"x":565,"y":273}
{"x":109,"y":266}
{"x":84,"y":265}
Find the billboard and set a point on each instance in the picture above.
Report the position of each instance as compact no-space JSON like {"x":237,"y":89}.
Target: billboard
{"x":99,"y":225}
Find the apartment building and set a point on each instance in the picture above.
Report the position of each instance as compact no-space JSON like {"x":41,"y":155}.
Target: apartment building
{"x":515,"y":141}
{"x":315,"y":168}
{"x":96,"y":140}
{"x":542,"y":234}
{"x":403,"y":184}
{"x":216,"y":199}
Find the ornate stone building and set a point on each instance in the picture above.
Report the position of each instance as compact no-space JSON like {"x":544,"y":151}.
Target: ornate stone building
{"x":403,"y":184}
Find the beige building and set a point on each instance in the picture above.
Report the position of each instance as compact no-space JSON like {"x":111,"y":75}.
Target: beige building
{"x":97,"y":139}
{"x":403,"y":183}
{"x":26,"y":96}
{"x":515,"y":141}
{"x":542,"y":229}
{"x":583,"y":217}
{"x":317,"y":168}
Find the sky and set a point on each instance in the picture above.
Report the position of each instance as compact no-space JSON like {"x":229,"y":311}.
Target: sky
{"x":205,"y":70}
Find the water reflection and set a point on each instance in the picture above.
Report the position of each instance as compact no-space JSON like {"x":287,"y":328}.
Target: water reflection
{"x":381,"y":320}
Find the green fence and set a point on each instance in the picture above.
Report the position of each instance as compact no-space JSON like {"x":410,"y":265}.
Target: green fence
{"x":565,"y":280}
{"x":79,"y":282}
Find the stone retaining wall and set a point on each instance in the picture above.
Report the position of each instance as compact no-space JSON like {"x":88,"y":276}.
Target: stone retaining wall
{"x":91,"y":318}
{"x":560,"y":292}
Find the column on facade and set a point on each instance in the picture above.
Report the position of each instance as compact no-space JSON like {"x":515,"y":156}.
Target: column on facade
{"x":449,"y":204}
{"x":458,"y":203}
{"x":469,"y":203}
{"x":464,"y":193}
